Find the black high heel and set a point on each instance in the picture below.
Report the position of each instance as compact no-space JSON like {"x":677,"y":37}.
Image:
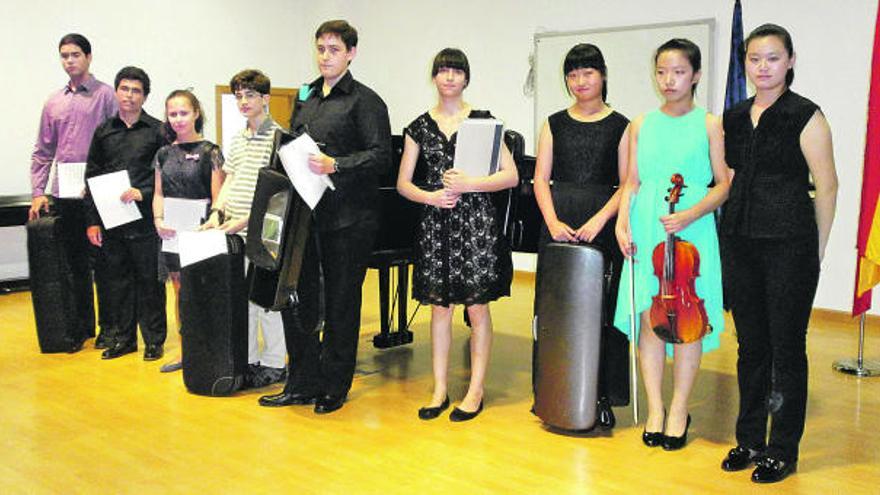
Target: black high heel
{"x":654,"y":438}
{"x":675,"y":443}
{"x":432,"y":412}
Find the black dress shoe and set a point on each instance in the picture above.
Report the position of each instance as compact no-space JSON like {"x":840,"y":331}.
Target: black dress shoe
{"x":102,"y":341}
{"x":605,"y":416}
{"x":457,"y":415}
{"x":329,"y":403}
{"x":771,"y":470}
{"x":675,"y":443}
{"x":287,"y":399}
{"x":119,"y":349}
{"x":739,"y":458}
{"x":433,"y":412}
{"x":153,"y":352}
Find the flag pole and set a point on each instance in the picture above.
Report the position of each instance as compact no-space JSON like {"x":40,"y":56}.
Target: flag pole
{"x":859,"y":366}
{"x":870,"y":193}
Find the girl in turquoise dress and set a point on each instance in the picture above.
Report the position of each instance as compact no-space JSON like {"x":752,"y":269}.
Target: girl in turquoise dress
{"x":676,"y":138}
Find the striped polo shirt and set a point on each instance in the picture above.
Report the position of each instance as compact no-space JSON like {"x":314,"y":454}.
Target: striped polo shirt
{"x":247,"y":154}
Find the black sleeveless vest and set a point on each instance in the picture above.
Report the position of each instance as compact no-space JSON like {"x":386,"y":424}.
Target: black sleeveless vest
{"x":769,"y":196}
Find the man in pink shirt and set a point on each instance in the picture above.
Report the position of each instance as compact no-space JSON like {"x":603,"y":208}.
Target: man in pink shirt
{"x":69,"y":119}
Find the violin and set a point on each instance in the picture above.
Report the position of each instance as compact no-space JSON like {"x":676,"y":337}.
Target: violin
{"x":677,"y":314}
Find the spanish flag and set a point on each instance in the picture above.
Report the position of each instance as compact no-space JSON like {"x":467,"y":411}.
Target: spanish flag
{"x":868,"y":265}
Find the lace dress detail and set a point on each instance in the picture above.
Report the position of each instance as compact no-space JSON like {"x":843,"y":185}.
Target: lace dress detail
{"x":461,"y":256}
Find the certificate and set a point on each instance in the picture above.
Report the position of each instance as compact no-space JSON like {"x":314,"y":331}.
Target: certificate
{"x":295,"y":159}
{"x":71,"y":179}
{"x":106,"y":190}
{"x":182,"y":215}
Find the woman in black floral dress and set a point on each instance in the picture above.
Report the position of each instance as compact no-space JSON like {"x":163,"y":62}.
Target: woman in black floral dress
{"x":461,"y":255}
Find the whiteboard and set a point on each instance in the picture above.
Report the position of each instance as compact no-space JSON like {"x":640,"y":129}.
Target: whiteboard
{"x":629,"y":56}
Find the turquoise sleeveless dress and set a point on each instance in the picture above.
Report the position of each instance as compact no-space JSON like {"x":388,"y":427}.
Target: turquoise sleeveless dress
{"x":669,"y":145}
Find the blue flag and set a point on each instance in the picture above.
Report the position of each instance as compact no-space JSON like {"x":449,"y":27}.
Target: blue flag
{"x":736,"y":73}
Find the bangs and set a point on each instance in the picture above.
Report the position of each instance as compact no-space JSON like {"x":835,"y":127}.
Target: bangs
{"x":451,"y":58}
{"x":584,"y":56}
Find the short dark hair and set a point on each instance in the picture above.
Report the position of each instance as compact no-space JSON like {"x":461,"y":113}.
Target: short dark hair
{"x":452,"y":58}
{"x":586,"y":56}
{"x":251,"y":79}
{"x":78,"y":40}
{"x":688,"y":48}
{"x":346,"y":32}
{"x":133,"y":74}
{"x":780,"y":32}
{"x":194,"y":102}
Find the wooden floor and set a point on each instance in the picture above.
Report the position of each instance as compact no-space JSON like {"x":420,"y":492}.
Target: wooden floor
{"x":76,"y":424}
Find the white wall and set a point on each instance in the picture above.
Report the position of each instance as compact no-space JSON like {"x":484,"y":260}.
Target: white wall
{"x":202,"y":43}
{"x":180,"y":44}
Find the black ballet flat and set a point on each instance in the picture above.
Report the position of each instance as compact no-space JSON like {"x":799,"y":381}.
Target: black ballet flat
{"x":427,"y":413}
{"x":675,"y":443}
{"x":457,"y":415}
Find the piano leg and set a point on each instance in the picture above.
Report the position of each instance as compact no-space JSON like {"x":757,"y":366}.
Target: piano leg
{"x":386,"y":338}
{"x":403,"y":331}
{"x":384,"y":296}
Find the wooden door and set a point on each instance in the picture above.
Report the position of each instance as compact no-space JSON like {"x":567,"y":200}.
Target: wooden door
{"x":281,"y":102}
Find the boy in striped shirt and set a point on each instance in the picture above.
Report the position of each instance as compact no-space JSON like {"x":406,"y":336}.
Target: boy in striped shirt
{"x":250,"y":151}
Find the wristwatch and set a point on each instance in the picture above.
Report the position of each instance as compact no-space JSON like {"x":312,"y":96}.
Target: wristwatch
{"x":335,"y":166}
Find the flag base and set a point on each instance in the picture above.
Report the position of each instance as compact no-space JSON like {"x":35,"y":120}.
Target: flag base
{"x":852,"y":366}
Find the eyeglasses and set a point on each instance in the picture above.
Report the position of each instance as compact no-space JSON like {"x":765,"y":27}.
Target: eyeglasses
{"x":246,"y":95}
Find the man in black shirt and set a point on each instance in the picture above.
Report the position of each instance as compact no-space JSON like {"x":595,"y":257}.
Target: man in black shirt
{"x":350,"y":124}
{"x":128,"y":141}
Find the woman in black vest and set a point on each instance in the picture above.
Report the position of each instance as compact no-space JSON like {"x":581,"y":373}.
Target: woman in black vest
{"x":773,"y":240}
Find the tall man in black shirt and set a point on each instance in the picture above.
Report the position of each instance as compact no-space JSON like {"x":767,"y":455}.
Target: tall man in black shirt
{"x":128,"y":141}
{"x":350,"y":123}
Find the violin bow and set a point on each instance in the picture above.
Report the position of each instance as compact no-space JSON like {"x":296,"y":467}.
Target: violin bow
{"x":633,"y":375}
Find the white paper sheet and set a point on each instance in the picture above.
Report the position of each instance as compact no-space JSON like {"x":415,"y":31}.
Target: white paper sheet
{"x":295,"y":159}
{"x":71,"y":179}
{"x":182,"y":215}
{"x":106,"y":190}
{"x":198,"y":246}
{"x":477,"y":150}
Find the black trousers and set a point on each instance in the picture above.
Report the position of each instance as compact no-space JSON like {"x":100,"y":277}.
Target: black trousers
{"x":135,"y":294}
{"x":770,"y":284}
{"x":326,"y":365}
{"x":83,"y":259}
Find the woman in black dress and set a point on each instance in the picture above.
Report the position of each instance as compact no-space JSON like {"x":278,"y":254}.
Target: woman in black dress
{"x":461,"y":255}
{"x":583,"y":150}
{"x":191,"y":168}
{"x":773,"y":240}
